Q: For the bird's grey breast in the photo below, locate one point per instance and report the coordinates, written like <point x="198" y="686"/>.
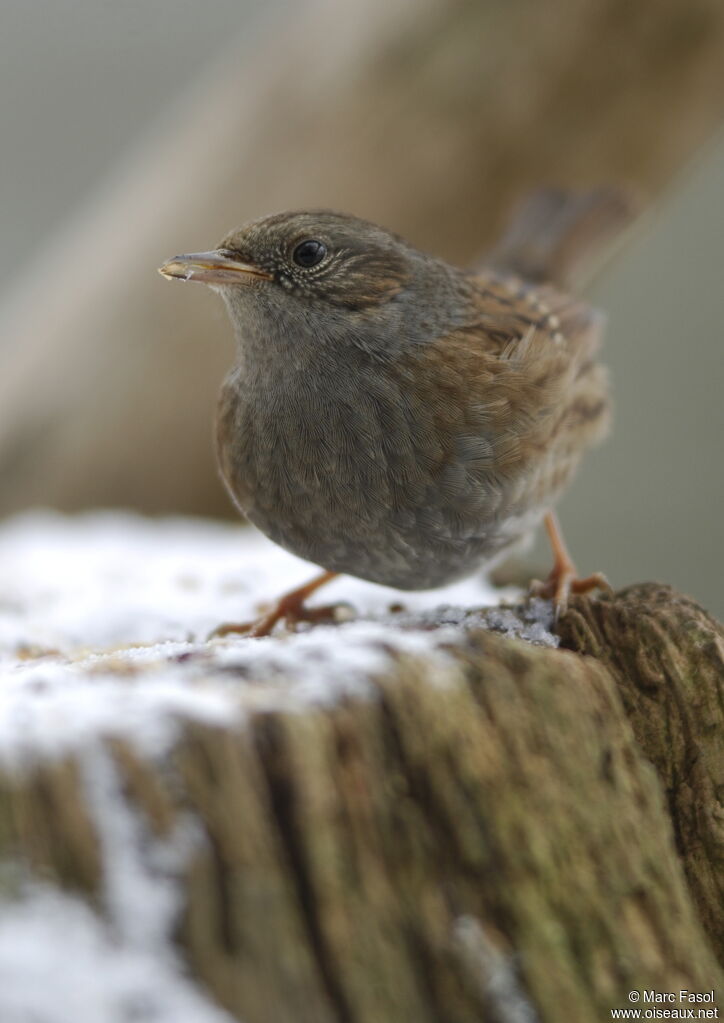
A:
<point x="308" y="453"/>
<point x="351" y="470"/>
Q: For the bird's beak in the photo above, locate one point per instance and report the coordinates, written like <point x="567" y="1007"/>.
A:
<point x="216" y="267"/>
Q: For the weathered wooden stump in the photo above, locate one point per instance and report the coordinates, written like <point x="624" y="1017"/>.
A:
<point x="485" y="830"/>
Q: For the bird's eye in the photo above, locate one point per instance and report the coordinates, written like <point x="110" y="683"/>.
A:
<point x="309" y="253"/>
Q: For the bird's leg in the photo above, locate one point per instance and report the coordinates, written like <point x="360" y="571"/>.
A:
<point x="290" y="607"/>
<point x="563" y="579"/>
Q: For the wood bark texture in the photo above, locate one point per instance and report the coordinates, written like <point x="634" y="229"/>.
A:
<point x="527" y="834"/>
<point x="430" y="116"/>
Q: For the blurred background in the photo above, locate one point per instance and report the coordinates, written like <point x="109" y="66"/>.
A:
<point x="132" y="131"/>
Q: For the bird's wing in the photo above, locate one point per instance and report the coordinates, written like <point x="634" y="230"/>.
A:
<point x="526" y="355"/>
<point x="512" y="397"/>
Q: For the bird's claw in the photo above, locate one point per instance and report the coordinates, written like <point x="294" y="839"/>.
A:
<point x="561" y="583"/>
<point x="292" y="615"/>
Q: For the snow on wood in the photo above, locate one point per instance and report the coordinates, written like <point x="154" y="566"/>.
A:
<point x="104" y="618"/>
<point x="289" y="827"/>
<point x="103" y="625"/>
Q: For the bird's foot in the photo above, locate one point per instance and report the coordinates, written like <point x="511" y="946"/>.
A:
<point x="563" y="579"/>
<point x="289" y="608"/>
<point x="562" y="582"/>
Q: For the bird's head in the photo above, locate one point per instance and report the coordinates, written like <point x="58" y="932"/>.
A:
<point x="327" y="275"/>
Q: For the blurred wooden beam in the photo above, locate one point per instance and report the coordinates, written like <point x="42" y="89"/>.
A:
<point x="431" y="116"/>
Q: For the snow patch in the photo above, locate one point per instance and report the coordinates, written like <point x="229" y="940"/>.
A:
<point x="103" y="625"/>
<point x="60" y="960"/>
<point x="103" y="619"/>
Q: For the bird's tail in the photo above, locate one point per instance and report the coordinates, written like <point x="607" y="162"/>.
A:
<point x="560" y="236"/>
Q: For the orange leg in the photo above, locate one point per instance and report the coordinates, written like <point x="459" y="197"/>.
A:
<point x="563" y="579"/>
<point x="289" y="607"/>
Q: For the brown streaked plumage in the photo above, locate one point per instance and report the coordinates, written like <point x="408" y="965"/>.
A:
<point x="390" y="416"/>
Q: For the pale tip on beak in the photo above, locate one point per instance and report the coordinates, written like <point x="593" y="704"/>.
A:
<point x="215" y="267"/>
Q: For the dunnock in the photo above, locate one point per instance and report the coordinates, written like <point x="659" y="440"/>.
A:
<point x="391" y="416"/>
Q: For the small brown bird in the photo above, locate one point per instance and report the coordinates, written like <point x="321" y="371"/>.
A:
<point x="393" y="417"/>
